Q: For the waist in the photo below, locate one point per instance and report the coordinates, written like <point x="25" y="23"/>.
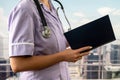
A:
<point x="51" y="73"/>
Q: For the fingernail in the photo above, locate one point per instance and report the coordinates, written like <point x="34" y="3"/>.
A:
<point x="90" y="47"/>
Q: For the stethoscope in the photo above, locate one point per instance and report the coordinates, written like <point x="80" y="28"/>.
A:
<point x="47" y="32"/>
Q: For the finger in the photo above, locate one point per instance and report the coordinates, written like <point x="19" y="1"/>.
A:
<point x="84" y="53"/>
<point x="79" y="58"/>
<point x="84" y="49"/>
<point x="75" y="60"/>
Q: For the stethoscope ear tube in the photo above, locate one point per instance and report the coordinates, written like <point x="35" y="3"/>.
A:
<point x="46" y="32"/>
<point x="61" y="6"/>
<point x="40" y="13"/>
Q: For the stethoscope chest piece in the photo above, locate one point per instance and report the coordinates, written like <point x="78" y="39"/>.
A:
<point x="46" y="33"/>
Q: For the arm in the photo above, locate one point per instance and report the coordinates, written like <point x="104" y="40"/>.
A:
<point x="21" y="63"/>
<point x="40" y="62"/>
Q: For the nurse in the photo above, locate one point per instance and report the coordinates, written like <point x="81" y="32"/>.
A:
<point x="32" y="55"/>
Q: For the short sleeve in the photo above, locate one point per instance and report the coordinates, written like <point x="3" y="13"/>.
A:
<point x="21" y="33"/>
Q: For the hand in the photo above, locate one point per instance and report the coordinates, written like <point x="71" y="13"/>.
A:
<point x="70" y="55"/>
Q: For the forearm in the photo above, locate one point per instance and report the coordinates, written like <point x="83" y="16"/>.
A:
<point x="34" y="62"/>
<point x="41" y="62"/>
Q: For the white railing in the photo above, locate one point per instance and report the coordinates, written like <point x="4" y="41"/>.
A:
<point x="7" y="74"/>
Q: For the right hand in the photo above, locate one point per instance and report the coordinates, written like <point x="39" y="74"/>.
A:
<point x="70" y="55"/>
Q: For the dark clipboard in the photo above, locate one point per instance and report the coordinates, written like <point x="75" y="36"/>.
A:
<point x="95" y="33"/>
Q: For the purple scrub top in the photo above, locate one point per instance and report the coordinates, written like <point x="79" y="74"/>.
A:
<point x="25" y="38"/>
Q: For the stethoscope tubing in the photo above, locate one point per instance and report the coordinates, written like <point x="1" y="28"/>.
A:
<point x="46" y="32"/>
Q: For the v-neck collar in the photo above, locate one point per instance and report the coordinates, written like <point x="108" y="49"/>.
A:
<point x="45" y="7"/>
<point x="52" y="11"/>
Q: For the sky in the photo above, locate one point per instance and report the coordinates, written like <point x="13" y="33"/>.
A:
<point x="78" y="12"/>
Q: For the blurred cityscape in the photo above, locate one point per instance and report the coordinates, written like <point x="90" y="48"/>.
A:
<point x="102" y="63"/>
